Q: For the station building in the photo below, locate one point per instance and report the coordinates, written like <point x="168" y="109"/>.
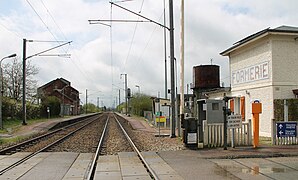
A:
<point x="264" y="67"/>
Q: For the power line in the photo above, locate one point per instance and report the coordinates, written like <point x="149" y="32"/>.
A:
<point x="14" y="33"/>
<point x="48" y="11"/>
<point x="53" y="19"/>
<point x="151" y="36"/>
<point x="41" y="19"/>
<point x="133" y="36"/>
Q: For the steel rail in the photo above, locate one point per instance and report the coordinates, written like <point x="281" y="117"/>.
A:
<point x="23" y="144"/>
<point x="44" y="148"/>
<point x="99" y="146"/>
<point x="151" y="172"/>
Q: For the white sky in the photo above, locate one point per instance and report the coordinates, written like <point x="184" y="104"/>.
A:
<point x="211" y="26"/>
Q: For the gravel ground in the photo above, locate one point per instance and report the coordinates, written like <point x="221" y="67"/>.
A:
<point x="86" y="140"/>
<point x="46" y="141"/>
<point x="146" y="141"/>
<point x="115" y="141"/>
<point x="83" y="141"/>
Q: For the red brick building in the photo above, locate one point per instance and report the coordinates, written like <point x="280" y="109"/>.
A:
<point x="68" y="96"/>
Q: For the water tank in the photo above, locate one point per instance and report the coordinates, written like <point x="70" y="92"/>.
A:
<point x="206" y="77"/>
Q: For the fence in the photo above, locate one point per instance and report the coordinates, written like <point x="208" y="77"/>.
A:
<point x="280" y="137"/>
<point x="214" y="135"/>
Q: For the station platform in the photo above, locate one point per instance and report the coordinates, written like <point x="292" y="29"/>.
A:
<point x="126" y="165"/>
<point x="183" y="164"/>
<point x="64" y="166"/>
<point x="264" y="162"/>
<point x="47" y="165"/>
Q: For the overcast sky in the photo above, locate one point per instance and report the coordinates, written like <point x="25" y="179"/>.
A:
<point x="211" y="26"/>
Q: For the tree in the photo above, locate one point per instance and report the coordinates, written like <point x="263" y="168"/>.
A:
<point x="140" y="103"/>
<point x="91" y="108"/>
<point x="51" y="102"/>
<point x="13" y="78"/>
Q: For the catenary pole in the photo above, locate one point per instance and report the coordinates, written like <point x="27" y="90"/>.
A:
<point x="86" y="100"/>
<point x="171" y="16"/>
<point x="165" y="46"/>
<point x="24" y="83"/>
<point x="24" y="73"/>
<point x="181" y="68"/>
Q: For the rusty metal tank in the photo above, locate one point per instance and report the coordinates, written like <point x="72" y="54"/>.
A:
<point x="206" y="77"/>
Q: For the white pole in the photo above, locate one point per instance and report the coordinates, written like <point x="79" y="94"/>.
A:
<point x="181" y="68"/>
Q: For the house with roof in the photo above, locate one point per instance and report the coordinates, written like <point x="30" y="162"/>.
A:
<point x="68" y="96"/>
<point x="264" y="67"/>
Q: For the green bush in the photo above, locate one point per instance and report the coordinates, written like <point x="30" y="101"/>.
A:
<point x="140" y="103"/>
<point x="13" y="109"/>
<point x="292" y="109"/>
<point x="54" y="105"/>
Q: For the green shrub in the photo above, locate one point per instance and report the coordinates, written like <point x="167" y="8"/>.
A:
<point x="53" y="104"/>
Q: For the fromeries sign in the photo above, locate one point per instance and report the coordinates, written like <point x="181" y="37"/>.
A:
<point x="251" y="74"/>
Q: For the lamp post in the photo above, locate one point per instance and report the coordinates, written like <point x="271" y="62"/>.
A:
<point x="1" y="87"/>
<point x="138" y="88"/>
<point x="126" y="92"/>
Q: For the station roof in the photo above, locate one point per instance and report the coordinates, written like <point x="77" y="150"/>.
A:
<point x="262" y="33"/>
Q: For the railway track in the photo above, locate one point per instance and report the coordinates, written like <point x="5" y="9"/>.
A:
<point x="102" y="147"/>
<point x="48" y="140"/>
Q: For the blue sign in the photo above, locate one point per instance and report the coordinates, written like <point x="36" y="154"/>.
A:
<point x="286" y="129"/>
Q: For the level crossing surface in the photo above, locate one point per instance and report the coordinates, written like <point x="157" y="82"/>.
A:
<point x="185" y="164"/>
<point x="66" y="165"/>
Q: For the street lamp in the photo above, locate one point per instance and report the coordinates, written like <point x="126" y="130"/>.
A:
<point x="1" y="87"/>
<point x="126" y="92"/>
<point x="138" y="88"/>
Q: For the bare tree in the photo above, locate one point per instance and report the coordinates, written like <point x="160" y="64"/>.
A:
<point x="13" y="76"/>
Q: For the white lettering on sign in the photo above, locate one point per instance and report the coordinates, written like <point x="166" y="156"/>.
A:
<point x="250" y="74"/>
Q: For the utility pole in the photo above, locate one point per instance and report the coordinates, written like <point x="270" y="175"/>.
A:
<point x="126" y="93"/>
<point x="24" y="73"/>
<point x="181" y="69"/>
<point x="97" y="102"/>
<point x="165" y="44"/>
<point x="24" y="83"/>
<point x="86" y="100"/>
<point x="172" y="66"/>
<point x="172" y="54"/>
<point x="119" y="99"/>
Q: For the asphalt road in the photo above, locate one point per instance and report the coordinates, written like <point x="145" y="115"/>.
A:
<point x="192" y="165"/>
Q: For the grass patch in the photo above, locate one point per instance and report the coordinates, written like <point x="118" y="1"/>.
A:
<point x="12" y="125"/>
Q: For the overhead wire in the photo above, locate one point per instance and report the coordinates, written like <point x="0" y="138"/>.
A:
<point x="59" y="28"/>
<point x="41" y="19"/>
<point x="53" y="19"/>
<point x="8" y="30"/>
<point x="111" y="50"/>
<point x="151" y="36"/>
<point x="133" y="36"/>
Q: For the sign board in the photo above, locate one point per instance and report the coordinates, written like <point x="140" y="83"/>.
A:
<point x="191" y="138"/>
<point x="158" y="113"/>
<point x="286" y="129"/>
<point x="160" y="119"/>
<point x="234" y="121"/>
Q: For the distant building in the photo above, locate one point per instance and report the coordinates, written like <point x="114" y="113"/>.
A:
<point x="263" y="66"/>
<point x="68" y="96"/>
